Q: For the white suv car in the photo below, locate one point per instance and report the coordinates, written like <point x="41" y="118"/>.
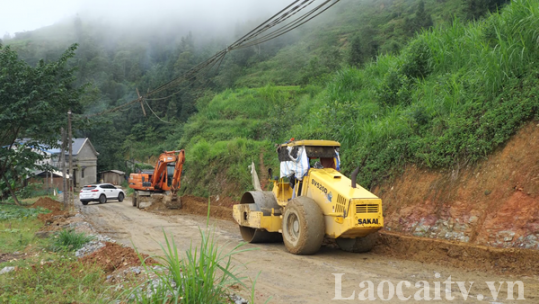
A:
<point x="100" y="193"/>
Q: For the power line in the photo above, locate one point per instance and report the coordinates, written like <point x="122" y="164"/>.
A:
<point x="250" y="39"/>
<point x="168" y="122"/>
<point x="297" y="23"/>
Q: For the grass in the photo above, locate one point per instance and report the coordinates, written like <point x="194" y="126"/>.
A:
<point x="44" y="276"/>
<point x="18" y="226"/>
<point x="16" y="235"/>
<point x="64" y="280"/>
<point x="203" y="274"/>
<point x="234" y="128"/>
<point x="13" y="212"/>
<point x="69" y="240"/>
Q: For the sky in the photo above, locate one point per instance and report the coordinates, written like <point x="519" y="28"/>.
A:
<point x="27" y="15"/>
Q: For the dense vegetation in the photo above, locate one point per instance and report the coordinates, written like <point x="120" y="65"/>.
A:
<point x="437" y="83"/>
<point x="448" y="98"/>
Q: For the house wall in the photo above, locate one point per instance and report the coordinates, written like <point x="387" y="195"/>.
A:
<point x="113" y="178"/>
<point x="57" y="182"/>
<point x="86" y="160"/>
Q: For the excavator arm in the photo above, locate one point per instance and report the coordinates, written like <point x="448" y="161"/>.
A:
<point x="176" y="178"/>
<point x="159" y="175"/>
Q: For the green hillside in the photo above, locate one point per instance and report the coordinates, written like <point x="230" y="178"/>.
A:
<point x="449" y="98"/>
<point x="437" y="83"/>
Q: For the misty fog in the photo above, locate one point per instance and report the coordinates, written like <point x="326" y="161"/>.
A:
<point x="223" y="20"/>
<point x="195" y="15"/>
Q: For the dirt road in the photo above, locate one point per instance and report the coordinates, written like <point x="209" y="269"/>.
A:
<point x="286" y="278"/>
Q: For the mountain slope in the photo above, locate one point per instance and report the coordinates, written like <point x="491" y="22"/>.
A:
<point x="448" y="99"/>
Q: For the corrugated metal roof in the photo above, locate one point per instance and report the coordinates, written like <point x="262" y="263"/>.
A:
<point x="77" y="145"/>
<point x="113" y="171"/>
<point x="54" y="173"/>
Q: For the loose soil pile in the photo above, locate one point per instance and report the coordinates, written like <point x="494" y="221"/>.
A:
<point x="48" y="203"/>
<point x="113" y="257"/>
<point x="457" y="254"/>
<point x="54" y="206"/>
<point x="191" y="205"/>
<point x="57" y="219"/>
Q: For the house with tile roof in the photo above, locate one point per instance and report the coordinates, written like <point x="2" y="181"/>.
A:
<point x="84" y="159"/>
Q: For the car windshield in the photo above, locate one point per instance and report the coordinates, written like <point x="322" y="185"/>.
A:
<point x="88" y="188"/>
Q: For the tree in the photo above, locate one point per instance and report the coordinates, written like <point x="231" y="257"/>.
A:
<point x="34" y="102"/>
<point x="421" y="20"/>
<point x="356" y="54"/>
<point x="475" y="9"/>
<point x="369" y="44"/>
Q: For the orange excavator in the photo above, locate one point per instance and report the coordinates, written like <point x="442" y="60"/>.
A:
<point x="162" y="182"/>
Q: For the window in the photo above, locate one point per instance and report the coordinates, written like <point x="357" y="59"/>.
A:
<point x="82" y="173"/>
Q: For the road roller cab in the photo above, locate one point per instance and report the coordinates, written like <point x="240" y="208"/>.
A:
<point x="311" y="200"/>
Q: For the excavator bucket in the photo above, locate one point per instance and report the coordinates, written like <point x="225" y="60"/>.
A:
<point x="172" y="202"/>
<point x="160" y="199"/>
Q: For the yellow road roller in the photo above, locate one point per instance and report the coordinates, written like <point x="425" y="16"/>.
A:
<point x="311" y="200"/>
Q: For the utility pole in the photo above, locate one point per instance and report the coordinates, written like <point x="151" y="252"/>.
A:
<point x="63" y="162"/>
<point x="71" y="186"/>
<point x="48" y="179"/>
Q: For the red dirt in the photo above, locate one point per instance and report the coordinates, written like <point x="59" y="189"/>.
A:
<point x="494" y="203"/>
<point x="193" y="205"/>
<point x="56" y="214"/>
<point x="457" y="254"/>
<point x="113" y="257"/>
<point x="199" y="205"/>
<point x="48" y="203"/>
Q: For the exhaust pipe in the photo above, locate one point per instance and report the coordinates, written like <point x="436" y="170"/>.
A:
<point x="354" y="176"/>
<point x="256" y="181"/>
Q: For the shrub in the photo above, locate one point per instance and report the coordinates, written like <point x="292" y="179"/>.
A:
<point x="70" y="240"/>
<point x="9" y="212"/>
